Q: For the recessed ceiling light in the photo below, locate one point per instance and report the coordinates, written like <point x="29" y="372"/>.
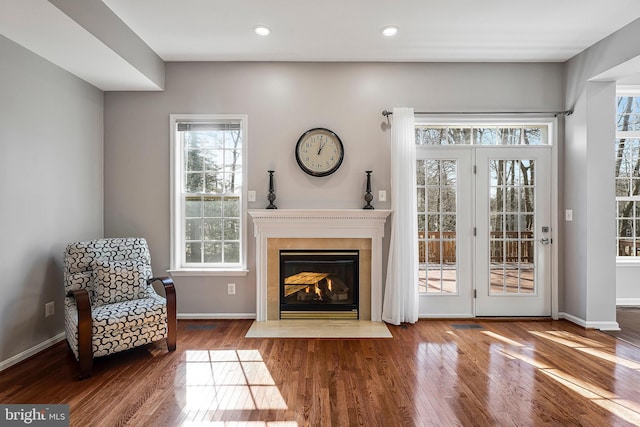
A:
<point x="389" y="31"/>
<point x="262" y="30"/>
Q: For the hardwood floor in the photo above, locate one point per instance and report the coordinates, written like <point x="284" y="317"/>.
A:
<point x="433" y="373"/>
<point x="629" y="320"/>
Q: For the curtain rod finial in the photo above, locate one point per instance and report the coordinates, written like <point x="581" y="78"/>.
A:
<point x="386" y="113"/>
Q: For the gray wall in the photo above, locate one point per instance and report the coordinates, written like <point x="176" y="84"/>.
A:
<point x="282" y="101"/>
<point x="51" y="126"/>
<point x="588" y="168"/>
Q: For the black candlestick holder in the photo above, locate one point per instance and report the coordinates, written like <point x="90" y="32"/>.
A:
<point x="272" y="194"/>
<point x="368" y="197"/>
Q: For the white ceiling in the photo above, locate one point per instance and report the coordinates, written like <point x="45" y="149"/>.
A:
<point x="349" y="30"/>
<point x="317" y="30"/>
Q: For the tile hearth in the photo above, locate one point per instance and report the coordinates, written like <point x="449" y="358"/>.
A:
<point x="318" y="328"/>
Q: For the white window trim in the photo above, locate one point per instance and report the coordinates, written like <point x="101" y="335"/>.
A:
<point x="176" y="236"/>
<point x="634" y="91"/>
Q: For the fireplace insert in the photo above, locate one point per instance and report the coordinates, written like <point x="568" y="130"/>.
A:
<point x="319" y="283"/>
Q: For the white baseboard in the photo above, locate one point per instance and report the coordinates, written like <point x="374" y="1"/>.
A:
<point x="445" y="316"/>
<point x="603" y="326"/>
<point x="203" y="316"/>
<point x="31" y="351"/>
<point x="628" y="301"/>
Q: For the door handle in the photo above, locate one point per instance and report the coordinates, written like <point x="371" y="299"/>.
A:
<point x="546" y="241"/>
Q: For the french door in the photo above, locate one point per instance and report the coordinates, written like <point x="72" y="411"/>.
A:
<point x="484" y="231"/>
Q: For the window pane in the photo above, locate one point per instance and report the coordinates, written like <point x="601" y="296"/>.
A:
<point x="193" y="229"/>
<point x="193" y="207"/>
<point x="433" y="199"/>
<point x="433" y="172"/>
<point x="231" y="207"/>
<point x="459" y="135"/>
<point x="212" y="252"/>
<point x="195" y="161"/>
<point x="232" y="182"/>
<point x="420" y="172"/>
<point x="509" y="136"/>
<point x="448" y="172"/>
<point x="193" y="252"/>
<point x="213" y="182"/>
<point x="625" y="209"/>
<point x="485" y="136"/>
<point x="625" y="228"/>
<point x="213" y="207"/>
<point x="232" y="160"/>
<point x="213" y="229"/>
<point x="193" y="182"/>
<point x="449" y="223"/>
<point x="449" y="198"/>
<point x="231" y="229"/>
<point x="434" y="135"/>
<point x="421" y="199"/>
<point x="231" y="252"/>
<point x="535" y="135"/>
<point x="421" y="223"/>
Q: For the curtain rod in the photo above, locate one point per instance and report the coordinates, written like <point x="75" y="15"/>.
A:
<point x="387" y="113"/>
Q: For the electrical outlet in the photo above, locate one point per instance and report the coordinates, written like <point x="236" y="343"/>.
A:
<point x="49" y="309"/>
<point x="382" y="196"/>
<point x="231" y="288"/>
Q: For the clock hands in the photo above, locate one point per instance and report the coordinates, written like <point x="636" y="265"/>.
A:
<point x="321" y="147"/>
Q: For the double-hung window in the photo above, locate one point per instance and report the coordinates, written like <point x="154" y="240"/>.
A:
<point x="628" y="174"/>
<point x="208" y="165"/>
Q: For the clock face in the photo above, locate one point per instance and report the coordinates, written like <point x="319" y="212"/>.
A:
<point x="319" y="152"/>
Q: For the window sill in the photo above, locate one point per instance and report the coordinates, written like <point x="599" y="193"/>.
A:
<point x="628" y="261"/>
<point x="207" y="272"/>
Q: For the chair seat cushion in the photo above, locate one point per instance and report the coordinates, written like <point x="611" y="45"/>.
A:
<point x="128" y="314"/>
<point x="121" y="325"/>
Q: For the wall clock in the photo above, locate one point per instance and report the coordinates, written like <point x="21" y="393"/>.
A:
<point x="319" y="152"/>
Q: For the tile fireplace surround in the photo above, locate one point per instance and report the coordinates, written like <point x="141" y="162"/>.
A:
<point x="357" y="229"/>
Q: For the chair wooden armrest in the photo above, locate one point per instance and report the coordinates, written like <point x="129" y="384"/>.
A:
<point x="172" y="323"/>
<point x="85" y="331"/>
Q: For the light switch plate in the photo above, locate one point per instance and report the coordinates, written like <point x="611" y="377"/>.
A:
<point x="568" y="215"/>
<point x="382" y="196"/>
<point x="251" y="195"/>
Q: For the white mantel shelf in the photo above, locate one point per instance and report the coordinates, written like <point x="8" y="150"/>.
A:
<point x="319" y="223"/>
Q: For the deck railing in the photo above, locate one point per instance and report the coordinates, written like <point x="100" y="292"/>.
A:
<point x="507" y="246"/>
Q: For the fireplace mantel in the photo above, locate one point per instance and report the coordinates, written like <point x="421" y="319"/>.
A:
<point x="319" y="224"/>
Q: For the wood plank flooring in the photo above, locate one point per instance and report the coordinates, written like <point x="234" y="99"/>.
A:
<point x="629" y="320"/>
<point x="433" y="373"/>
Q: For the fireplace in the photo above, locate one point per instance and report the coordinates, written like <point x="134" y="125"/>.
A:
<point x="319" y="284"/>
<point x="301" y="229"/>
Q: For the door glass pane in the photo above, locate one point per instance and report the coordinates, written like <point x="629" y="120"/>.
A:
<point x="511" y="224"/>
<point x="437" y="229"/>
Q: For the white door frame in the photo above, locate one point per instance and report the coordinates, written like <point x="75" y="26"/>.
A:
<point x="552" y="122"/>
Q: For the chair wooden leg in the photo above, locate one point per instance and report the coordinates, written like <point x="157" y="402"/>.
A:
<point x="86" y="366"/>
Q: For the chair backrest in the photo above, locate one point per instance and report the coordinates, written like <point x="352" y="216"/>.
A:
<point x="80" y="258"/>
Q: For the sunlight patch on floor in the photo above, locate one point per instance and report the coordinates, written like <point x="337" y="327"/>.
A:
<point x="228" y="380"/>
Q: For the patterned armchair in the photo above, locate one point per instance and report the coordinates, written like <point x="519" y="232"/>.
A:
<point x="110" y="302"/>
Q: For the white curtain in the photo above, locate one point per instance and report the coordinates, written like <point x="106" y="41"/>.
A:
<point x="401" y="290"/>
